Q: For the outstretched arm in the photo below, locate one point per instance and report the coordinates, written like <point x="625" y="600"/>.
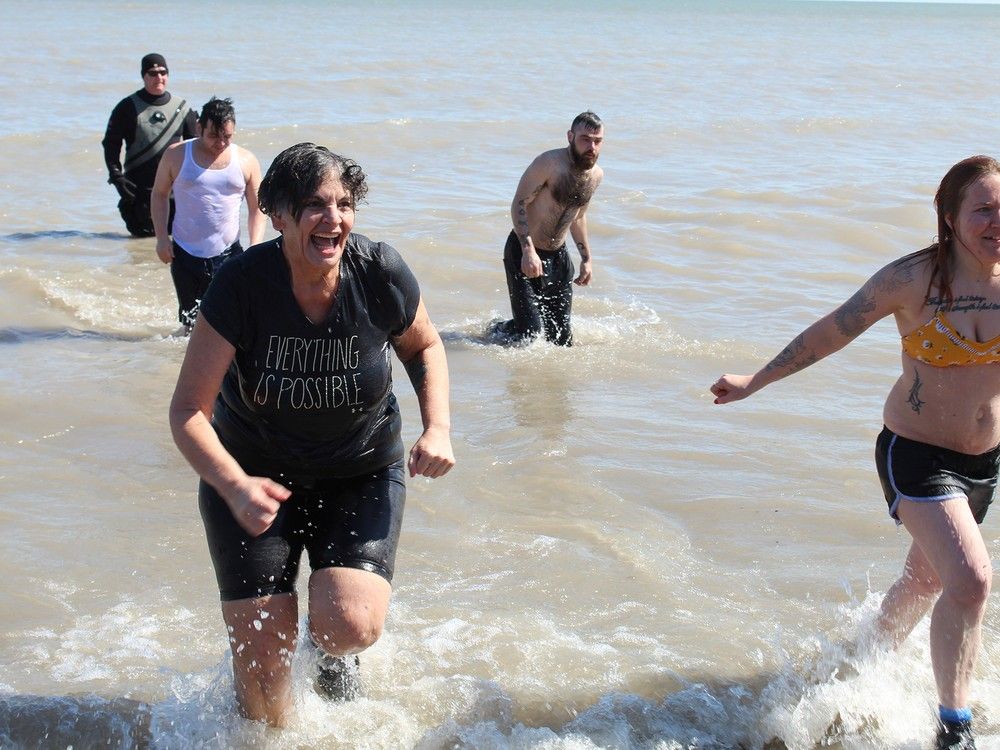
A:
<point x="881" y="295"/>
<point x="253" y="501"/>
<point x="421" y="351"/>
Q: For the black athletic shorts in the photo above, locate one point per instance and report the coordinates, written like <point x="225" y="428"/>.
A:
<point x="923" y="473"/>
<point x="349" y="523"/>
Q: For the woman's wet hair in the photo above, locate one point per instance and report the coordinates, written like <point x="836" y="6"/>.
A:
<point x="298" y="172"/>
<point x="947" y="202"/>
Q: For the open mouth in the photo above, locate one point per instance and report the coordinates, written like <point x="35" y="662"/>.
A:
<point x="325" y="241"/>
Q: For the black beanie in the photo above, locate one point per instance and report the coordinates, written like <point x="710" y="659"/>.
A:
<point x="152" y="60"/>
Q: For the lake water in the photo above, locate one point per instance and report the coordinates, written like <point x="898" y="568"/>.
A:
<point x="614" y="562"/>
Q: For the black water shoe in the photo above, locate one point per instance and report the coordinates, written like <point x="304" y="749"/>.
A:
<point x="955" y="735"/>
<point x="339" y="677"/>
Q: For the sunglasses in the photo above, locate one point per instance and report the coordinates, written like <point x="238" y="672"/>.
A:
<point x="152" y="73"/>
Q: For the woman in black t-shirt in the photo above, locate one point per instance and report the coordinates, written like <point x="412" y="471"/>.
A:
<point x="284" y="407"/>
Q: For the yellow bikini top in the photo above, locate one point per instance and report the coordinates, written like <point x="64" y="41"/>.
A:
<point x="937" y="343"/>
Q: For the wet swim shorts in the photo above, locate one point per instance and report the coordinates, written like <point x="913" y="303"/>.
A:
<point x="925" y="473"/>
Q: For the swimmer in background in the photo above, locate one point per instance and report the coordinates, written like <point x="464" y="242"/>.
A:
<point x="938" y="454"/>
<point x="551" y="199"/>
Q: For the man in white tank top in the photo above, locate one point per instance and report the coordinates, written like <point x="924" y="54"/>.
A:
<point x="209" y="176"/>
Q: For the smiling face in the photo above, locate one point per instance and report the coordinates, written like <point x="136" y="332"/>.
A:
<point x="314" y="242"/>
<point x="976" y="225"/>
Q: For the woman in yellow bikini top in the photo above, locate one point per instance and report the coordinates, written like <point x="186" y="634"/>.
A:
<point x="937" y="343"/>
<point x="938" y="456"/>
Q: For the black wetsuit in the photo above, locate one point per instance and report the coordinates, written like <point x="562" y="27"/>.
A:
<point x="542" y="304"/>
<point x="310" y="405"/>
<point x="122" y="128"/>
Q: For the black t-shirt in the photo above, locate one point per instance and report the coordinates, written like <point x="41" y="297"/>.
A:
<point x="303" y="399"/>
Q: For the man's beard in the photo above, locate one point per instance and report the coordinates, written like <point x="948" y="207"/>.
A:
<point x="581" y="161"/>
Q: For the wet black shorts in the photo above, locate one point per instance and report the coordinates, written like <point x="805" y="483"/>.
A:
<point x="349" y="523"/>
<point x="925" y="473"/>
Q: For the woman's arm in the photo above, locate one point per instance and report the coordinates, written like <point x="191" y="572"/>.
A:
<point x="421" y="351"/>
<point x="253" y="501"/>
<point x="883" y="294"/>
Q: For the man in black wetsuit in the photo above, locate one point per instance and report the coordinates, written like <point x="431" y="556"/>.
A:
<point x="146" y="122"/>
<point x="551" y="201"/>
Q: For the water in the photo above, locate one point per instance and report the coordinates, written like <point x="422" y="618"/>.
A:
<point x="614" y="562"/>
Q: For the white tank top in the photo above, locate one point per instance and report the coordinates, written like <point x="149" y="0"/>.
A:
<point x="208" y="201"/>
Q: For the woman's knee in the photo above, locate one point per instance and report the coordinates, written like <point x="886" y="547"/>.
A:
<point x="971" y="586"/>
<point x="340" y="627"/>
<point x="922" y="586"/>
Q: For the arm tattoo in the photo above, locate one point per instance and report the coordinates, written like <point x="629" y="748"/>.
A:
<point x="900" y="276"/>
<point x="522" y="219"/>
<point x="795" y="357"/>
<point x="521" y="230"/>
<point x="914" y="399"/>
<point x="850" y="316"/>
<point x="417" y="370"/>
<point x="584" y="252"/>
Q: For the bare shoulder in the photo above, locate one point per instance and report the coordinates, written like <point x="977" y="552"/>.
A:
<point x="546" y="163"/>
<point x="248" y="160"/>
<point x="895" y="289"/>
<point x="905" y="277"/>
<point x="245" y="154"/>
<point x="539" y="173"/>
<point x="171" y="161"/>
<point x="175" y="150"/>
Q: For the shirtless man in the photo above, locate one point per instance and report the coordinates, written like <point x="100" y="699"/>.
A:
<point x="209" y="176"/>
<point x="551" y="199"/>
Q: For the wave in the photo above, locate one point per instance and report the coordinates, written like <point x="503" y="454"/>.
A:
<point x="115" y="302"/>
<point x="61" y="234"/>
<point x="822" y="693"/>
<point x="15" y="335"/>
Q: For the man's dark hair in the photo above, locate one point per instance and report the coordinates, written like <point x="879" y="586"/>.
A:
<point x="298" y="172"/>
<point x="218" y="112"/>
<point x="589" y="120"/>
